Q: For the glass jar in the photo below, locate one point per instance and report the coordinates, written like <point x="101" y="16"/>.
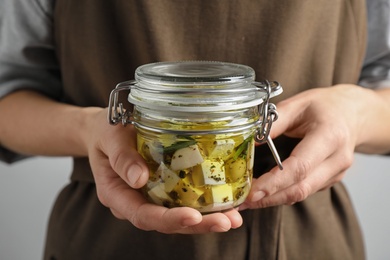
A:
<point x="197" y="123"/>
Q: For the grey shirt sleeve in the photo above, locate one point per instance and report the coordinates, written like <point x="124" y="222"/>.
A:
<point x="27" y="55"/>
<point x="376" y="69"/>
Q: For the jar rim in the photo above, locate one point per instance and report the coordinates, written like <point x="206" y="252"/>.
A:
<point x="194" y="72"/>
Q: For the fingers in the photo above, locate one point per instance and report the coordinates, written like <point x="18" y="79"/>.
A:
<point x="182" y="220"/>
<point x="292" y="192"/>
<point x="314" y="165"/>
<point x="129" y="204"/>
<point x="185" y="220"/>
<point x="216" y="222"/>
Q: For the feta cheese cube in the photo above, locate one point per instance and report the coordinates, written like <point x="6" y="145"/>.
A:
<point x="168" y="177"/>
<point x="158" y="194"/>
<point x="187" y="193"/>
<point x="220" y="148"/>
<point x="209" y="173"/>
<point x="222" y="193"/>
<point x="152" y="151"/>
<point x="186" y="157"/>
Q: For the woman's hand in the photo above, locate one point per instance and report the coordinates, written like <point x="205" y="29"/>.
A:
<point x="119" y="171"/>
<point x="333" y="123"/>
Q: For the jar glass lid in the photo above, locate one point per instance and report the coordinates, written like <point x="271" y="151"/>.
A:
<point x="194" y="86"/>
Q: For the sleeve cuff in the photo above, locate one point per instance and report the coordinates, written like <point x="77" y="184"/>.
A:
<point x="10" y="156"/>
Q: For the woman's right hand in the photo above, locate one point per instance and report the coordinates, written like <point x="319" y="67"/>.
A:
<point x="119" y="170"/>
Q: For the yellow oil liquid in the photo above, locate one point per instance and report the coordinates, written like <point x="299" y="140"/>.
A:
<point x="206" y="172"/>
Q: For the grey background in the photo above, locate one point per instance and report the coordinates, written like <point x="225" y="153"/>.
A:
<point x="28" y="190"/>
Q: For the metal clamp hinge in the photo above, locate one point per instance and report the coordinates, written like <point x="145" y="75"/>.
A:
<point x="269" y="115"/>
<point x="116" y="112"/>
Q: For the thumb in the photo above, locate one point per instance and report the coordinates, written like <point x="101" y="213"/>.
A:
<point x="125" y="160"/>
<point x="290" y="112"/>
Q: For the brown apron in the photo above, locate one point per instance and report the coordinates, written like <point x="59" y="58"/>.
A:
<point x="300" y="43"/>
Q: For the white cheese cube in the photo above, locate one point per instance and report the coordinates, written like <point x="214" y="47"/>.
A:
<point x="152" y="151"/>
<point x="186" y="157"/>
<point x="156" y="151"/>
<point x="158" y="194"/>
<point x="209" y="173"/>
<point x="220" y="148"/>
<point x="168" y="178"/>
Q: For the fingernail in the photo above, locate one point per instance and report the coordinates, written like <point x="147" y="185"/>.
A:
<point x="258" y="196"/>
<point x="134" y="174"/>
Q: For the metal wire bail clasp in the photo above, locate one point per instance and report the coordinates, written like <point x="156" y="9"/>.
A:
<point x="116" y="112"/>
<point x="269" y="115"/>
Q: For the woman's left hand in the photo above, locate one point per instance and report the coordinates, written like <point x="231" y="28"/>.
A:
<point x="333" y="123"/>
